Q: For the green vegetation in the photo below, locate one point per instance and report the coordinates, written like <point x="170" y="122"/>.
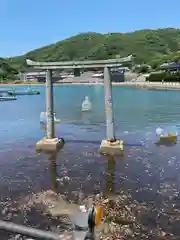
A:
<point x="164" y="77"/>
<point x="6" y="71"/>
<point x="152" y="47"/>
<point x="143" y="68"/>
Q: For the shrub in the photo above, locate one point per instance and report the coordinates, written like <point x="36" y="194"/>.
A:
<point x="164" y="77"/>
<point x="156" y="77"/>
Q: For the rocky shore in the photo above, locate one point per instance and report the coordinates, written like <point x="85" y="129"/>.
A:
<point x="123" y="217"/>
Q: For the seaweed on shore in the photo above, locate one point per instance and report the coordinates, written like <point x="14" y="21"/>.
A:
<point x="124" y="218"/>
<point x="31" y="212"/>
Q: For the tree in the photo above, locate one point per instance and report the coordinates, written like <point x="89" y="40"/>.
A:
<point x="149" y="46"/>
<point x="118" y="56"/>
<point x="144" y="68"/>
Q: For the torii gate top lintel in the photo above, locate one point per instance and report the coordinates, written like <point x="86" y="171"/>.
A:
<point x="80" y="64"/>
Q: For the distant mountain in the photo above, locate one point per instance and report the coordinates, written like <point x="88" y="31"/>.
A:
<point x="149" y="46"/>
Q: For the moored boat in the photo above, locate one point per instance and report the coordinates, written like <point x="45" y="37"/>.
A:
<point x="24" y="92"/>
<point x="4" y="96"/>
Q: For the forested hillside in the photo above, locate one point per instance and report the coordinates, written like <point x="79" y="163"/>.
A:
<point x="149" y="46"/>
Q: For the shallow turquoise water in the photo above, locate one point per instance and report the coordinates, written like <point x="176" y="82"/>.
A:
<point x="135" y="110"/>
<point x="137" y="114"/>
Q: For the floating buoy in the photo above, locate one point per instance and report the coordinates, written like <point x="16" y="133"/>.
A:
<point x="86" y="105"/>
<point x="43" y="118"/>
<point x="56" y="120"/>
<point x="99" y="215"/>
<point x="166" y="136"/>
<point x="159" y="131"/>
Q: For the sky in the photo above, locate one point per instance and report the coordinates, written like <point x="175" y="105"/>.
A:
<point x="29" y="24"/>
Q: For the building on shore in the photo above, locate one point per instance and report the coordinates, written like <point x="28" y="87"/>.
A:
<point x="170" y="66"/>
<point x="32" y="76"/>
<point x="37" y="76"/>
<point x="117" y="74"/>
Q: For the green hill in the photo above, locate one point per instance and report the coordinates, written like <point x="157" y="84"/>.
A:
<point x="149" y="46"/>
<point x="6" y="70"/>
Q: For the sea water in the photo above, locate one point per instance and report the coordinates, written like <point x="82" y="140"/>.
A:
<point x="137" y="113"/>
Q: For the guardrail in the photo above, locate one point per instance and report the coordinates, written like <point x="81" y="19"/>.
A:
<point x="30" y="232"/>
<point x="83" y="233"/>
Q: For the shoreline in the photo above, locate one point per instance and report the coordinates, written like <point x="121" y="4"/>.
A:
<point x="141" y="85"/>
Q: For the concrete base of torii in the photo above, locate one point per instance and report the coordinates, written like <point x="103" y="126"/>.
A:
<point x="112" y="148"/>
<point x="49" y="145"/>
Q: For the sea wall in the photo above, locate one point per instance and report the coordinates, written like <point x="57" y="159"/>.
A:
<point x="153" y="85"/>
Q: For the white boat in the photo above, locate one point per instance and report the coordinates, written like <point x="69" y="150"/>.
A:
<point x="27" y="91"/>
<point x="4" y="96"/>
<point x="43" y="118"/>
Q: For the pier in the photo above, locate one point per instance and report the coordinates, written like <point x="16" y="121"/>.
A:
<point x="110" y="145"/>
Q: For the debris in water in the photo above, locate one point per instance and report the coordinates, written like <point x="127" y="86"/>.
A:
<point x="83" y="208"/>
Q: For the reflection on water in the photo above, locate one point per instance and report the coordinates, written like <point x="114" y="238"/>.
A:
<point x="86" y="117"/>
<point x="43" y="127"/>
<point x="109" y="176"/>
<point x="53" y="171"/>
<point x="111" y="167"/>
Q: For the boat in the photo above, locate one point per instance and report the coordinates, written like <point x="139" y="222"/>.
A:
<point x="27" y="91"/>
<point x="43" y="116"/>
<point x="4" y="96"/>
<point x="4" y="90"/>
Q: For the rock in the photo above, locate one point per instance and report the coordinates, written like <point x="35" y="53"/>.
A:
<point x="18" y="237"/>
<point x="4" y="211"/>
<point x="105" y="228"/>
<point x="80" y="220"/>
<point x="58" y="210"/>
<point x="83" y="208"/>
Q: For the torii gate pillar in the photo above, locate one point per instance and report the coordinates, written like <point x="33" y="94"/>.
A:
<point x="50" y="143"/>
<point x="110" y="146"/>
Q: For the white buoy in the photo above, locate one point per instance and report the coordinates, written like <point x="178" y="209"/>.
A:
<point x="86" y="105"/>
<point x="43" y="118"/>
<point x="56" y="120"/>
<point x="159" y="131"/>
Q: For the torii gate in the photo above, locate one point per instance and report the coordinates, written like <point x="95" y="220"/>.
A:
<point x="109" y="146"/>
